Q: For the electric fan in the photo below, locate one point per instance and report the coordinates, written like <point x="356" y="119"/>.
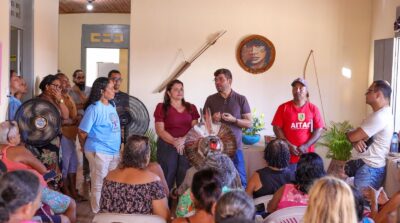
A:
<point x="133" y="116"/>
<point x="39" y="122"/>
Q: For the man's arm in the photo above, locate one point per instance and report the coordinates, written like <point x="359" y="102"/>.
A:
<point x="246" y="121"/>
<point x="356" y="135"/>
<point x="357" y="138"/>
<point x="314" y="138"/>
<point x="279" y="132"/>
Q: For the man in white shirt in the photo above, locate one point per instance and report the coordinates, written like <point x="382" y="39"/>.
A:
<point x="371" y="141"/>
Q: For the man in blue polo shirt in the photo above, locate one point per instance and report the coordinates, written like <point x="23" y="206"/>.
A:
<point x="232" y="109"/>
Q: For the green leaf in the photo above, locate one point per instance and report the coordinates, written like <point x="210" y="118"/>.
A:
<point x="257" y="126"/>
<point x="336" y="140"/>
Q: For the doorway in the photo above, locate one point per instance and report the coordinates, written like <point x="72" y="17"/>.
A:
<point x="99" y="61"/>
<point x="105" y="48"/>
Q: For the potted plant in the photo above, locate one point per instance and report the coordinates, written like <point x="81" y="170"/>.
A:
<point x="251" y="135"/>
<point x="339" y="147"/>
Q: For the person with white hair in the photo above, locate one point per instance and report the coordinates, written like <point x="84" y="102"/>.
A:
<point x="17" y="157"/>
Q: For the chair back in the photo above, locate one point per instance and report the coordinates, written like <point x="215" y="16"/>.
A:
<point x="287" y="215"/>
<point x="126" y="218"/>
<point x="263" y="200"/>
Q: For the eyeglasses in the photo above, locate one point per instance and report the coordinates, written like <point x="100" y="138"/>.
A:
<point x="369" y="91"/>
<point x="56" y="86"/>
<point x="117" y="79"/>
<point x="218" y="79"/>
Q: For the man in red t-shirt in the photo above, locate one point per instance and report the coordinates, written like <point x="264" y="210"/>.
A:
<point x="298" y="122"/>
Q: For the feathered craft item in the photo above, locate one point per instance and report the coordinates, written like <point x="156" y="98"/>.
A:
<point x="207" y="138"/>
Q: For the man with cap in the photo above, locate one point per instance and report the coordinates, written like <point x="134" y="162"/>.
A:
<point x="298" y="122"/>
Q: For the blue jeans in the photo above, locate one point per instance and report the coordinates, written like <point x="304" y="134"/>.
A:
<point x="369" y="176"/>
<point x="69" y="157"/>
<point x="238" y="161"/>
<point x="293" y="167"/>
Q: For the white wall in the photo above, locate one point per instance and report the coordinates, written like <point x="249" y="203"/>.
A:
<point x="384" y="15"/>
<point x="5" y="55"/>
<point x="337" y="30"/>
<point x="45" y="38"/>
<point x="70" y="35"/>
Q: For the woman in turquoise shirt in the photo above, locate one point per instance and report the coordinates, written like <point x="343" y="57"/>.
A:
<point x="100" y="136"/>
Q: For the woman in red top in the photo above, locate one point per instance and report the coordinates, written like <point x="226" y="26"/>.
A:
<point x="173" y="119"/>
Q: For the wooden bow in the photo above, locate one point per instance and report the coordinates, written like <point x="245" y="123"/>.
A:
<point x="316" y="75"/>
<point x="186" y="64"/>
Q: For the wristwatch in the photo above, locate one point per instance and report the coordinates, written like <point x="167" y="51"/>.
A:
<point x="61" y="101"/>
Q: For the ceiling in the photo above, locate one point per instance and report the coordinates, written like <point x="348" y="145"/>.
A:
<point x="99" y="6"/>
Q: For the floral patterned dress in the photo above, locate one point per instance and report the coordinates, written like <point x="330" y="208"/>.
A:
<point x="125" y="198"/>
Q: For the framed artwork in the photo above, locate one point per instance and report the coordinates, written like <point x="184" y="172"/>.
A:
<point x="255" y="54"/>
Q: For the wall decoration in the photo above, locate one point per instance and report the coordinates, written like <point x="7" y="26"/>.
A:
<point x="186" y="64"/>
<point x="255" y="54"/>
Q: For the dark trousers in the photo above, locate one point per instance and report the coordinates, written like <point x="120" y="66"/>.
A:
<point x="85" y="166"/>
<point x="173" y="165"/>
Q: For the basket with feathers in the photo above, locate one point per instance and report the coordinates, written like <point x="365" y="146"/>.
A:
<point x="208" y="137"/>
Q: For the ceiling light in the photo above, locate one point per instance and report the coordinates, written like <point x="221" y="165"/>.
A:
<point x="89" y="6"/>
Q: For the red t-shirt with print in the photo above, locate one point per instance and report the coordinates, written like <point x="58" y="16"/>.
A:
<point x="298" y="123"/>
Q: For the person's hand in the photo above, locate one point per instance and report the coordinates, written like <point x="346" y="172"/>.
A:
<point x="81" y="145"/>
<point x="179" y="144"/>
<point x="360" y="146"/>
<point x="370" y="194"/>
<point x="302" y="149"/>
<point x="375" y="196"/>
<point x="56" y="94"/>
<point x="382" y="196"/>
<point x="216" y="117"/>
<point x="228" y="117"/>
<point x="293" y="150"/>
<point x="67" y="121"/>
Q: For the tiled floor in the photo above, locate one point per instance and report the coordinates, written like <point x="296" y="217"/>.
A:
<point x="84" y="212"/>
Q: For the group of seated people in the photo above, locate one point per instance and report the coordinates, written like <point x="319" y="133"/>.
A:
<point x="326" y="197"/>
<point x="137" y="186"/>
